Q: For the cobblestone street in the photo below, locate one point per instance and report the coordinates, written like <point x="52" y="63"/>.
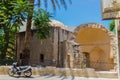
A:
<point x="50" y="77"/>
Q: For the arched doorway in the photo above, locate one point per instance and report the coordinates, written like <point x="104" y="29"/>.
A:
<point x="86" y="59"/>
<point x="68" y="61"/>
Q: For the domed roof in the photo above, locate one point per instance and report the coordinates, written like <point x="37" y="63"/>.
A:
<point x="55" y="23"/>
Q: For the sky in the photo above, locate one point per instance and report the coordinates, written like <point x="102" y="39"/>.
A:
<point x="79" y="12"/>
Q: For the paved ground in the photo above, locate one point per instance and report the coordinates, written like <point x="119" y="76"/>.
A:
<point x="50" y="77"/>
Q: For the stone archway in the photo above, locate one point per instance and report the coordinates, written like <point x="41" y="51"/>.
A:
<point x="96" y="40"/>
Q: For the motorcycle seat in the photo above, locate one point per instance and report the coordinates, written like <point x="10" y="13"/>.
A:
<point x="23" y="67"/>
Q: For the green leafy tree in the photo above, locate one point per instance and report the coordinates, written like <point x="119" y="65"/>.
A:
<point x="55" y="3"/>
<point x="12" y="13"/>
<point x="112" y="26"/>
<point x="41" y="20"/>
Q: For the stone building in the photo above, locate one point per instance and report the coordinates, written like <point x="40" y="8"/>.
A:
<point x="89" y="45"/>
<point x="50" y="52"/>
<point x="98" y="46"/>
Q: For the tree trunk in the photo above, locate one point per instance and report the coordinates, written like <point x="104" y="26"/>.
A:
<point x="28" y="32"/>
<point x="28" y="26"/>
<point x="26" y="50"/>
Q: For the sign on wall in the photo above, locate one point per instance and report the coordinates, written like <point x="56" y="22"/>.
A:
<point x="110" y="9"/>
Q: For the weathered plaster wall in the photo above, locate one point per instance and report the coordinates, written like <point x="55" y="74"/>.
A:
<point x="49" y="47"/>
<point x="95" y="40"/>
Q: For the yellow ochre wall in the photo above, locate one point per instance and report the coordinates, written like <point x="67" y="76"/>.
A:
<point x="95" y="42"/>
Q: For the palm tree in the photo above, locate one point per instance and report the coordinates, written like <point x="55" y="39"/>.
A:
<point x="41" y="20"/>
<point x="55" y="3"/>
<point x="11" y="17"/>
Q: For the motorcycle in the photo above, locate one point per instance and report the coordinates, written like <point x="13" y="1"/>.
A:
<point x="25" y="70"/>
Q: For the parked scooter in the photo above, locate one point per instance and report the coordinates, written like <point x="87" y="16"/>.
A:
<point x="25" y="70"/>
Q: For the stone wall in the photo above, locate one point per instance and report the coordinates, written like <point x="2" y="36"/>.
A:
<point x="48" y="48"/>
<point x="97" y="44"/>
<point x="71" y="54"/>
<point x="88" y="72"/>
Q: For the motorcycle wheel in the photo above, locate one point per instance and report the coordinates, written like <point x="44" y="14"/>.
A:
<point x="10" y="72"/>
<point x="27" y="73"/>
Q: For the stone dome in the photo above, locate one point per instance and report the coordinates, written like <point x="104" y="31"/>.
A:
<point x="55" y="23"/>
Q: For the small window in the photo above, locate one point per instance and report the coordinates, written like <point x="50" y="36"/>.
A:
<point x="21" y="56"/>
<point x="41" y="58"/>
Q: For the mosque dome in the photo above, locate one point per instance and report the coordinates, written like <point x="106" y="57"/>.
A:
<point x="55" y="23"/>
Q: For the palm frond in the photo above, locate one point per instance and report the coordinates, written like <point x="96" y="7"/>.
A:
<point x="63" y="3"/>
<point x="70" y="1"/>
<point x="39" y="3"/>
<point x="46" y="3"/>
<point x="57" y="3"/>
<point x="53" y="4"/>
<point x="41" y="22"/>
